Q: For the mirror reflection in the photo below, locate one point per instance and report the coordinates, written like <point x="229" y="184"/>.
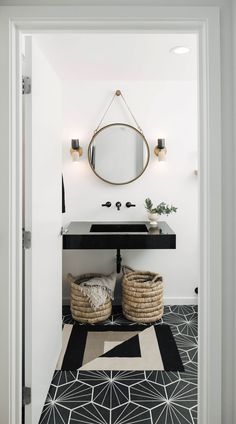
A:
<point x="118" y="153"/>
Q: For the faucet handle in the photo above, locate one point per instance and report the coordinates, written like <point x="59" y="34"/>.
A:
<point x="130" y="205"/>
<point x="118" y="205"/>
<point x="107" y="204"/>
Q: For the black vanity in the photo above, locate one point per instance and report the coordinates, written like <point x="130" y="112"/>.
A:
<point x="118" y="235"/>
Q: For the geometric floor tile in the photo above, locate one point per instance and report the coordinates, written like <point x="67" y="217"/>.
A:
<point x="110" y="394"/>
<point x="190" y="372"/>
<point x="54" y="414"/>
<point x="128" y="378"/>
<point x="180" y="398"/>
<point x="93" y="378"/>
<point x="186" y="343"/>
<point x="171" y="317"/>
<point x="182" y="393"/>
<point x="193" y="412"/>
<point x="184" y="356"/>
<point x="171" y="414"/>
<point x="189" y="327"/>
<point x="162" y="377"/>
<point x="131" y="397"/>
<point x="147" y="394"/>
<point x="183" y="309"/>
<point x="130" y="414"/>
<point x="193" y="354"/>
<point x="73" y="394"/>
<point x="62" y="377"/>
<point x="90" y="414"/>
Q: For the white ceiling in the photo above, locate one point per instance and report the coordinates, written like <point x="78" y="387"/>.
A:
<point x="120" y="56"/>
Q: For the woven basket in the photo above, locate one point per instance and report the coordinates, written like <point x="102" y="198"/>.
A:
<point x="142" y="295"/>
<point x="81" y="309"/>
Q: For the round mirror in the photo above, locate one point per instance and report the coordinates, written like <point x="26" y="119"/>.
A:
<point x="118" y="153"/>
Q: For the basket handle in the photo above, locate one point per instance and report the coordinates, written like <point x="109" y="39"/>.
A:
<point x="156" y="278"/>
<point x="70" y="278"/>
<point x="127" y="269"/>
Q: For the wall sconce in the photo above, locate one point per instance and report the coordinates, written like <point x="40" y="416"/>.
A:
<point x="76" y="151"/>
<point x="160" y="150"/>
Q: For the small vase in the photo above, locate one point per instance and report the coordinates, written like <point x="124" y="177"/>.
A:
<point x="153" y="218"/>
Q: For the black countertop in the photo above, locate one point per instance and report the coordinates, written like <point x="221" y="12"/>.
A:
<point x="78" y="236"/>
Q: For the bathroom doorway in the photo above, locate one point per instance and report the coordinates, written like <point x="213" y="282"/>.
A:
<point x="70" y="90"/>
<point x="203" y="168"/>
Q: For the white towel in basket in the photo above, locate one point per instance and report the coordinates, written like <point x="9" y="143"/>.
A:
<point x="97" y="288"/>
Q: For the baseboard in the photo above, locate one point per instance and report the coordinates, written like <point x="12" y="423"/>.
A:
<point x="167" y="300"/>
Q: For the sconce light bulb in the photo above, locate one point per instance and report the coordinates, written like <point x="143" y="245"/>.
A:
<point x="160" y="149"/>
<point x="162" y="155"/>
<point x="76" y="151"/>
<point x="75" y="155"/>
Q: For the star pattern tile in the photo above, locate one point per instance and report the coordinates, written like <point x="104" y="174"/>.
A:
<point x="74" y="394"/>
<point x="90" y="414"/>
<point x="130" y="414"/>
<point x="130" y="397"/>
<point x="111" y="394"/>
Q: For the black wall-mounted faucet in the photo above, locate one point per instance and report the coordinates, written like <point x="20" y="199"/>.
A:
<point x="107" y="204"/>
<point x="130" y="205"/>
<point x="118" y="205"/>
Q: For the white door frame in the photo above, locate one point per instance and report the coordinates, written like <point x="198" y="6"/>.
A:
<point x="205" y="22"/>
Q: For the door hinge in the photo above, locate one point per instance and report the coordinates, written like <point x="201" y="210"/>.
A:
<point x="26" y="237"/>
<point x="26" y="85"/>
<point x="26" y="395"/>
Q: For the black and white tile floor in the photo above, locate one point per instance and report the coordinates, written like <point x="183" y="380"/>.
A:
<point x="131" y="397"/>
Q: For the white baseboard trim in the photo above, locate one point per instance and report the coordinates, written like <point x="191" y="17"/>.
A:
<point x="167" y="300"/>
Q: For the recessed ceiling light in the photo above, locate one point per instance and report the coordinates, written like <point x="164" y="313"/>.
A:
<point x="180" y="50"/>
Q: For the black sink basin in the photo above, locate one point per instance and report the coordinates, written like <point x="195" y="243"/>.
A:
<point x="118" y="228"/>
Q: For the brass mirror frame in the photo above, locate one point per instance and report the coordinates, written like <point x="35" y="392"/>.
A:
<point x="112" y="125"/>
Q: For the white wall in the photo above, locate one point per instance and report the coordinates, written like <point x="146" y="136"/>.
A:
<point x="156" y="106"/>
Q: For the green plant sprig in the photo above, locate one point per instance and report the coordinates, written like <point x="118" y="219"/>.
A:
<point x="161" y="209"/>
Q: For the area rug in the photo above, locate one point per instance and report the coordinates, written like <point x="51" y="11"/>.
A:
<point x="99" y="347"/>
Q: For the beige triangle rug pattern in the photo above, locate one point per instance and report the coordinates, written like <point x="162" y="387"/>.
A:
<point x="105" y="347"/>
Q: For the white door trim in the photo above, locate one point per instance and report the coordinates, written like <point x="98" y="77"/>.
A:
<point x="205" y="22"/>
